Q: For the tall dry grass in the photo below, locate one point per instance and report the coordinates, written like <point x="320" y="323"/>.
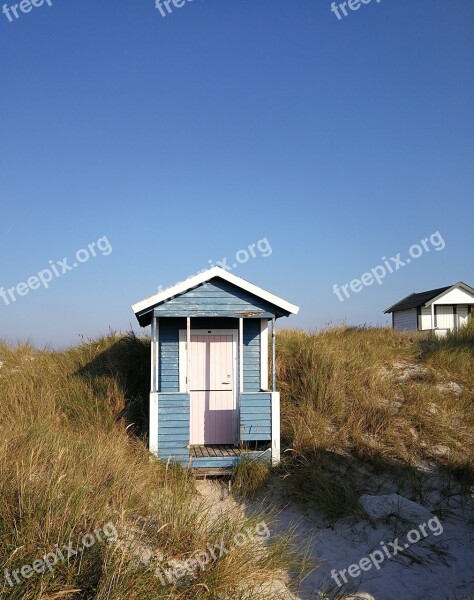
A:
<point x="345" y="403"/>
<point x="71" y="459"/>
<point x="69" y="466"/>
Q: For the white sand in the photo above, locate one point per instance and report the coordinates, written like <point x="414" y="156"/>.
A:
<point x="445" y="570"/>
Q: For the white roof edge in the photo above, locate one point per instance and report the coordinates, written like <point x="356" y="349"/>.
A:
<point x="200" y="278"/>
<point x="467" y="288"/>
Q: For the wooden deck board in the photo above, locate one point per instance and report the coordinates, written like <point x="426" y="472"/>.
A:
<point x="213" y="451"/>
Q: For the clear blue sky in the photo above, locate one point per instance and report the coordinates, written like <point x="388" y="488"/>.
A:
<point x="185" y="138"/>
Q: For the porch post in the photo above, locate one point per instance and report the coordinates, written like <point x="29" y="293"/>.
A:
<point x="264" y="354"/>
<point x="275" y="427"/>
<point x="153" y="355"/>
<point x="273" y="355"/>
<point x="275" y="403"/>
<point x="188" y="355"/>
<point x="154" y="388"/>
<point x="433" y="324"/>
<point x="241" y="355"/>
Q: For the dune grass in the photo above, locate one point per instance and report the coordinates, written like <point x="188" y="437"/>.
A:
<point x="70" y="464"/>
<point x="249" y="476"/>
<point x="72" y="458"/>
<point x="353" y="397"/>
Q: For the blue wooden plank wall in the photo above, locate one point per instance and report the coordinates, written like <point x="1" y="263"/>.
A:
<point x="173" y="427"/>
<point x="168" y="379"/>
<point x="215" y="298"/>
<point x="169" y="350"/>
<point x="251" y="362"/>
<point x="256" y="417"/>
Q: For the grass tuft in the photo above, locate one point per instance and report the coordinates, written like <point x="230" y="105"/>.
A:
<point x="376" y="398"/>
<point x="249" y="476"/>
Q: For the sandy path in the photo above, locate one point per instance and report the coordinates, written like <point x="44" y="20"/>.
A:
<point x="440" y="566"/>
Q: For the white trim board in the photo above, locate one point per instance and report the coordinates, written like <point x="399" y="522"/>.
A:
<point x="264" y="354"/>
<point x="192" y="282"/>
<point x="460" y="285"/>
<point x="275" y="427"/>
<point x="455" y="297"/>
<point x="153" y="424"/>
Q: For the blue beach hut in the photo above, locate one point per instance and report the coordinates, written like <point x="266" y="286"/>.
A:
<point x="212" y="400"/>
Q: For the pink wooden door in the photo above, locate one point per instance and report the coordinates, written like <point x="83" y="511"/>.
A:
<point x="211" y="385"/>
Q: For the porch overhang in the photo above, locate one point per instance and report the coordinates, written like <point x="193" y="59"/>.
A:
<point x="182" y="300"/>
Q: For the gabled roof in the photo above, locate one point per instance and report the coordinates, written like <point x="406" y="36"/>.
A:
<point x="426" y="298"/>
<point x="149" y="303"/>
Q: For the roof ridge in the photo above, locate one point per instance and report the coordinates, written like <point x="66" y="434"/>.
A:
<point x="207" y="275"/>
<point x="409" y="302"/>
